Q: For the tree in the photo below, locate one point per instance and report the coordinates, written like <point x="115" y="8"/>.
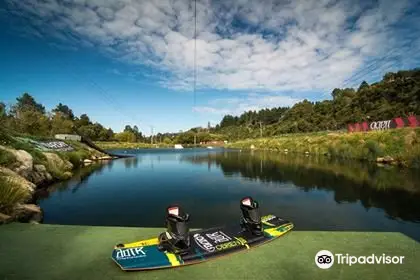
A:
<point x="336" y="93"/>
<point x="61" y="124"/>
<point x="126" y="136"/>
<point x="128" y="128"/>
<point x="87" y="131"/>
<point x="167" y="140"/>
<point x="2" y="109"/>
<point x="64" y="110"/>
<point x="33" y="123"/>
<point x="363" y="85"/>
<point x="109" y="134"/>
<point x="83" y="121"/>
<point x="27" y="103"/>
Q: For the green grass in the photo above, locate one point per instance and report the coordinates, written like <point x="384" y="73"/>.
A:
<point x="57" y="173"/>
<point x="37" y="155"/>
<point x="11" y="194"/>
<point x="76" y="158"/>
<point x="6" y="158"/>
<point x="82" y="252"/>
<point x="10" y="139"/>
<point x="80" y="153"/>
<point x="127" y="145"/>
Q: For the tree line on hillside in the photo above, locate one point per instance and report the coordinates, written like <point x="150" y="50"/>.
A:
<point x="28" y="117"/>
<point x="398" y="94"/>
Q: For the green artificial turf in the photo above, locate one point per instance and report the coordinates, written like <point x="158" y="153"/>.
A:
<point x="81" y="252"/>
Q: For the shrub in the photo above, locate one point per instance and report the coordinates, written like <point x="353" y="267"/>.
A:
<point x="38" y="156"/>
<point x="6" y="158"/>
<point x="75" y="157"/>
<point x="372" y="150"/>
<point x="11" y="194"/>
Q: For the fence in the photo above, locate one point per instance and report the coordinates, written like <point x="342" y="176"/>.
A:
<point x="411" y="121"/>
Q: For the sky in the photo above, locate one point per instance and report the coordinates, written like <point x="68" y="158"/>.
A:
<point x="131" y="62"/>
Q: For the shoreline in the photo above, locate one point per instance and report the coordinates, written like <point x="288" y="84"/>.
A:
<point x="140" y="145"/>
<point x="26" y="170"/>
<point x="399" y="147"/>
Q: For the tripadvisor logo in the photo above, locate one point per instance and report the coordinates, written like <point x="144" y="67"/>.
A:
<point x="324" y="259"/>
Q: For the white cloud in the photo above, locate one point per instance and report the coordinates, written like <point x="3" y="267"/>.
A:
<point x="241" y="45"/>
<point x="249" y="102"/>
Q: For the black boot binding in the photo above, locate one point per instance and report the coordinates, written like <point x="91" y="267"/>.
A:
<point x="176" y="239"/>
<point x="251" y="220"/>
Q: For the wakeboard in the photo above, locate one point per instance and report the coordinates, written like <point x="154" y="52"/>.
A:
<point x="205" y="245"/>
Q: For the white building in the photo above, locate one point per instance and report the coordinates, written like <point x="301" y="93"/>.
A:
<point x="72" y="137"/>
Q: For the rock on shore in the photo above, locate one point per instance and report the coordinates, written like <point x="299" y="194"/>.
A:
<point x="17" y="179"/>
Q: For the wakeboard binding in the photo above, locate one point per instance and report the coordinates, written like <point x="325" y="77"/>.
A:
<point x="251" y="217"/>
<point x="176" y="237"/>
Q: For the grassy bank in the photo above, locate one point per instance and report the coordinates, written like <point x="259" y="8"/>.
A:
<point x="403" y="145"/>
<point x="138" y="145"/>
<point x="128" y="145"/>
<point x="82" y="252"/>
<point x="24" y="166"/>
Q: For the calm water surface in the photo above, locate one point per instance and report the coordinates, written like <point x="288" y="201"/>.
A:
<point x="313" y="192"/>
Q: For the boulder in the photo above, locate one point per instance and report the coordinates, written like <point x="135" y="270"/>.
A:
<point x="40" y="175"/>
<point x="40" y="168"/>
<point x="386" y="159"/>
<point x="28" y="213"/>
<point x="30" y="208"/>
<point x="4" y="219"/>
<point x="252" y="146"/>
<point x="286" y="150"/>
<point x="105" y="158"/>
<point x="24" y="159"/>
<point x="87" y="161"/>
<point x="67" y="175"/>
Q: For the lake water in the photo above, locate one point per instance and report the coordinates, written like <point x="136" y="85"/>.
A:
<point x="315" y="193"/>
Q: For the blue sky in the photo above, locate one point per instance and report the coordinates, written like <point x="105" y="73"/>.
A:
<point x="131" y="62"/>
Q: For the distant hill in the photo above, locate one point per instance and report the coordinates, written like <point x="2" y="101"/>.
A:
<point x="397" y="94"/>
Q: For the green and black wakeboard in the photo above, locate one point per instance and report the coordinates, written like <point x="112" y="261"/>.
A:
<point x="205" y="245"/>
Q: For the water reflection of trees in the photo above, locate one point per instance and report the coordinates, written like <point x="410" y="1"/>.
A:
<point x="131" y="162"/>
<point x="395" y="190"/>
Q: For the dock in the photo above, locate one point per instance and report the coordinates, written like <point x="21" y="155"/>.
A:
<point x="32" y="251"/>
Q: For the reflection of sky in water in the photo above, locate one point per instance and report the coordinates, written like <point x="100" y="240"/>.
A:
<point x="135" y="192"/>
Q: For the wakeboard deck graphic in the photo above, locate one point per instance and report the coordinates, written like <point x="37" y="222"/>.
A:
<point x="205" y="245"/>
